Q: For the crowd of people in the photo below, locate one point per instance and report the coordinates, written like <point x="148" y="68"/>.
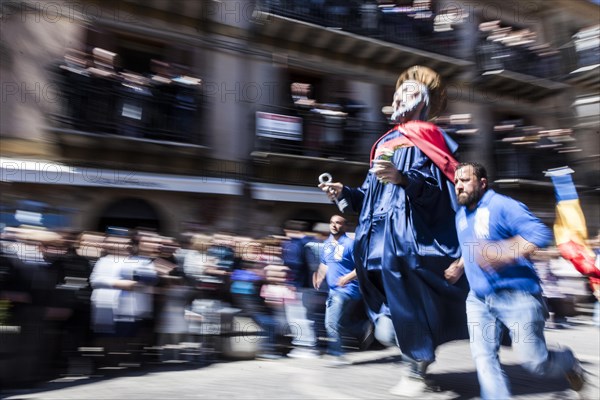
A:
<point x="134" y="296"/>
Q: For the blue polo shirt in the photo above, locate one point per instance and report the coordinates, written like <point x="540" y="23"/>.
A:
<point x="339" y="258"/>
<point x="495" y="218"/>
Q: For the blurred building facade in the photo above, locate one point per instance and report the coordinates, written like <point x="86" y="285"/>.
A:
<point x="220" y="115"/>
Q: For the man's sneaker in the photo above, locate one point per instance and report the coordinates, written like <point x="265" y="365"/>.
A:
<point x="268" y="356"/>
<point x="576" y="376"/>
<point x="410" y="386"/>
<point x="303" y="353"/>
<point x="337" y="361"/>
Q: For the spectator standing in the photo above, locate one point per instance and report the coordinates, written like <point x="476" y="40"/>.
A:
<point x="298" y="312"/>
<point x="121" y="298"/>
<point x="246" y="284"/>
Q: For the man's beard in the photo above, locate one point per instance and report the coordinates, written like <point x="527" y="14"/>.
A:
<point x="470" y="199"/>
<point x="408" y="109"/>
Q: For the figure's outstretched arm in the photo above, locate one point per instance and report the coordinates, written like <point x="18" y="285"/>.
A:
<point x="353" y="197"/>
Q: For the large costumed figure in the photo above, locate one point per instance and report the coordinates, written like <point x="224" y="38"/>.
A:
<point x="406" y="237"/>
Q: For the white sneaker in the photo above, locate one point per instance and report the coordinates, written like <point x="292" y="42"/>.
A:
<point x="303" y="353"/>
<point x="337" y="361"/>
<point x="409" y="387"/>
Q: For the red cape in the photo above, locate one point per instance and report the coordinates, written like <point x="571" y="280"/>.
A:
<point x="429" y="139"/>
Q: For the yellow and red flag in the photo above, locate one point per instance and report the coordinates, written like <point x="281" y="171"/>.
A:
<point x="570" y="231"/>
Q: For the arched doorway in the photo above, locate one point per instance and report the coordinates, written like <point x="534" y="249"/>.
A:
<point x="130" y="213"/>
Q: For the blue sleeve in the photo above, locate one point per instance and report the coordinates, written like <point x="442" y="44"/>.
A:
<point x="355" y="196"/>
<point x="520" y="221"/>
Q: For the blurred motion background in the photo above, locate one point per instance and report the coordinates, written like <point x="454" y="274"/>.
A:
<point x="188" y="118"/>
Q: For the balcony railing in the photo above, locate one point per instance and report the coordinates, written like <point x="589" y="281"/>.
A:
<point x="521" y="50"/>
<point x="128" y="105"/>
<point x="401" y="25"/>
<point x="423" y="30"/>
<point x="524" y="152"/>
<point x="494" y="56"/>
<point x="320" y="133"/>
<point x="580" y="59"/>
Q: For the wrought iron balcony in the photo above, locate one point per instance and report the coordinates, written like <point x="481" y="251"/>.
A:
<point x="97" y="101"/>
<point x="583" y="62"/>
<point x="493" y="56"/>
<point x="316" y="133"/>
<point x="405" y="26"/>
<point x="524" y="152"/>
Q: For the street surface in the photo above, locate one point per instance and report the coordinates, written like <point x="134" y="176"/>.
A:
<point x="370" y="376"/>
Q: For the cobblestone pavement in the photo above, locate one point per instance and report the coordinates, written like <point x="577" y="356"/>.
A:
<point x="369" y="376"/>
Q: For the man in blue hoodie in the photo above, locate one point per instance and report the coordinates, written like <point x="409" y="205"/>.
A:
<point x="497" y="234"/>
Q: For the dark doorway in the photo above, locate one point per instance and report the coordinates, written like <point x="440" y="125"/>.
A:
<point x="308" y="215"/>
<point x="130" y="213"/>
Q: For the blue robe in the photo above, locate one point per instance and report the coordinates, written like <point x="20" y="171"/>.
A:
<point x="405" y="239"/>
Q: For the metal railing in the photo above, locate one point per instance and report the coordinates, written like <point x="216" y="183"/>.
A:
<point x="395" y="25"/>
<point x="492" y="56"/>
<point x="415" y="29"/>
<point x="342" y="137"/>
<point x="111" y="104"/>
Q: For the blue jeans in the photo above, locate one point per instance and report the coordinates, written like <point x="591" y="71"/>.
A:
<point x="524" y="315"/>
<point x="301" y="326"/>
<point x="338" y="308"/>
